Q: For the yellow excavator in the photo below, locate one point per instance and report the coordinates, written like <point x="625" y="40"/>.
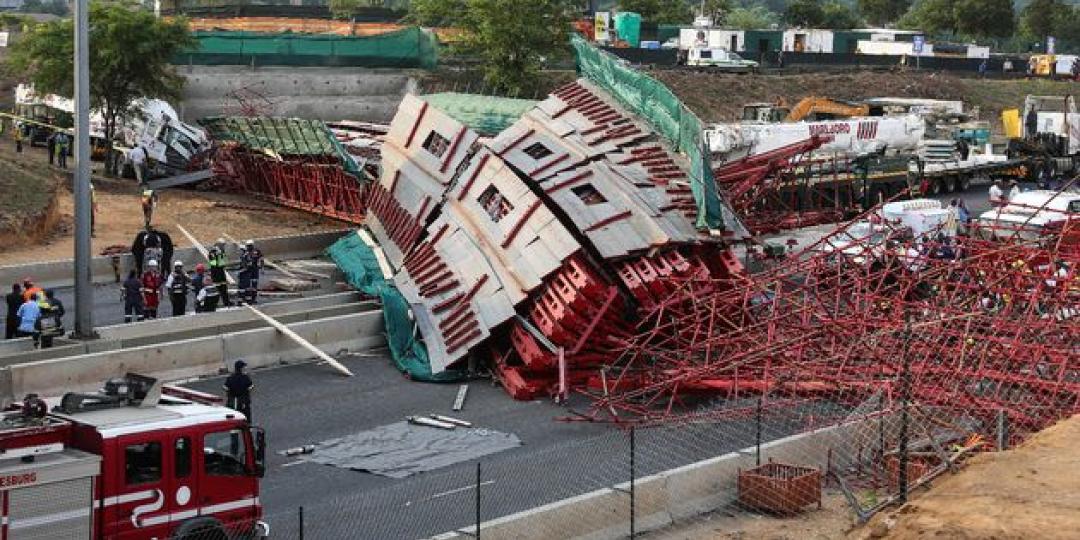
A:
<point x="809" y="108"/>
<point x="820" y="108"/>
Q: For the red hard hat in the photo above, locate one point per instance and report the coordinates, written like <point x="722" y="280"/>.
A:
<point x="200" y="267"/>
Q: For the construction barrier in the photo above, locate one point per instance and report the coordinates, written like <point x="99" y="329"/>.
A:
<point x="407" y="48"/>
<point x="361" y="267"/>
<point x="658" y="105"/>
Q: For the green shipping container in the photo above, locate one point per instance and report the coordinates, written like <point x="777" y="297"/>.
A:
<point x="628" y="26"/>
<point x="763" y="41"/>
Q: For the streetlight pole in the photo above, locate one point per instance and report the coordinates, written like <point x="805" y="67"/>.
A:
<point x="84" y="294"/>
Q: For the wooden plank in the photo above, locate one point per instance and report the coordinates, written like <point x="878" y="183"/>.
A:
<point x="302" y="342"/>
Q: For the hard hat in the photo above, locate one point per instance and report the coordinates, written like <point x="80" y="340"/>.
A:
<point x="249" y="243"/>
<point x="152" y="263"/>
<point x="178" y="263"/>
<point x="200" y="267"/>
<point x="27" y="280"/>
<point x="220" y="240"/>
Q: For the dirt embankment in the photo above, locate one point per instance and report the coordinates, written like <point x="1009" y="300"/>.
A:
<point x="37" y="212"/>
<point x="29" y="203"/>
<point x="718" y="97"/>
<point x="1032" y="491"/>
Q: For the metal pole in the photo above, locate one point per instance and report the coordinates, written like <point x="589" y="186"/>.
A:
<point x="1002" y="431"/>
<point x="300" y="525"/>
<point x="477" y="500"/>
<point x="757" y="432"/>
<point x="84" y="299"/>
<point x="905" y="398"/>
<point x="633" y="452"/>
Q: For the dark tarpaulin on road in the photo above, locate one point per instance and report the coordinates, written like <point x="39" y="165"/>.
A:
<point x="403" y="449"/>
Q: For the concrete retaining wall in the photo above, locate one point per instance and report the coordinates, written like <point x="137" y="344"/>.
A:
<point x="667" y="497"/>
<point x="192" y="357"/>
<point x="61" y="273"/>
<point x="338" y="93"/>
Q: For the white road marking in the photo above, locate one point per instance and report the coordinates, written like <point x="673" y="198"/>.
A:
<point x="450" y="492"/>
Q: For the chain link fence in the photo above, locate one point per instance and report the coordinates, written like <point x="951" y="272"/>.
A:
<point x="773" y="455"/>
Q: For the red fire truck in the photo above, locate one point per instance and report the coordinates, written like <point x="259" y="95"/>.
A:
<point x="136" y="461"/>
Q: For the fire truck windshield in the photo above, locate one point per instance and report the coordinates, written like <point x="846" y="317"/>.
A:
<point x="225" y="453"/>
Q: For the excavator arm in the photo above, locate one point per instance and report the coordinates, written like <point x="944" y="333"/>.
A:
<point x="819" y="105"/>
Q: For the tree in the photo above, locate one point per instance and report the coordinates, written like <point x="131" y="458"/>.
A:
<point x="347" y="9"/>
<point x="659" y="11"/>
<point x="805" y="14"/>
<point x="716" y="9"/>
<point x="752" y="18"/>
<point x="54" y="7"/>
<point x="931" y="16"/>
<point x="883" y="12"/>
<point x="840" y="17"/>
<point x="512" y="38"/>
<point x="1043" y="18"/>
<point x="984" y="18"/>
<point x="129" y="58"/>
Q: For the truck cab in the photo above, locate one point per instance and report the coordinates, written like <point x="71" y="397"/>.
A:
<point x="172" y="463"/>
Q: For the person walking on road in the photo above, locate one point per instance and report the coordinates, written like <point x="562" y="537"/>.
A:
<point x="29" y="313"/>
<point x="14" y="300"/>
<point x="997" y="196"/>
<point x="216" y="256"/>
<point x="178" y="283"/>
<point x="238" y="387"/>
<point x="250" y="264"/>
<point x="62" y="149"/>
<point x="51" y="322"/>
<point x="50" y="143"/>
<point x="151" y="290"/>
<point x="149" y="203"/>
<point x="18" y="134"/>
<point x="137" y="158"/>
<point x="1014" y="190"/>
<point x="131" y="295"/>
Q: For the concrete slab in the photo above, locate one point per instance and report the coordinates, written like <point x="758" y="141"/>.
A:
<point x="192" y="357"/>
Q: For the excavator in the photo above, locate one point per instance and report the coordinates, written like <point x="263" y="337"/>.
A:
<point x="809" y="108"/>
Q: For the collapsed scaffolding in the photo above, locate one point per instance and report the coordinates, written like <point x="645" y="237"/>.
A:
<point x="587" y="249"/>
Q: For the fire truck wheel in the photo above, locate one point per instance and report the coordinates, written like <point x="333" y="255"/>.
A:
<point x="201" y="529"/>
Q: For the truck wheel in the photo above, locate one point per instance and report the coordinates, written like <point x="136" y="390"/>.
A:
<point x="201" y="529"/>
<point x="963" y="183"/>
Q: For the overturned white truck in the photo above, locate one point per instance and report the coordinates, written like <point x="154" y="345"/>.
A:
<point x="173" y="146"/>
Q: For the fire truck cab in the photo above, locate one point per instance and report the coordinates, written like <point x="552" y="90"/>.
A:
<point x="136" y="461"/>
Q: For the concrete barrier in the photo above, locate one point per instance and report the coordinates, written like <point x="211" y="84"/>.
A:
<point x="192" y="357"/>
<point x="60" y="273"/>
<point x="667" y="497"/>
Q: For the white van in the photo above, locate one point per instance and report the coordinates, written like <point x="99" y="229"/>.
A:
<point x="1029" y="215"/>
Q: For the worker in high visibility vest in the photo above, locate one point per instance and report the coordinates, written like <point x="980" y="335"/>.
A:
<point x="149" y="202"/>
<point x="216" y="257"/>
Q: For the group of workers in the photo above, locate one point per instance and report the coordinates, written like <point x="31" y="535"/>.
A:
<point x="998" y="196"/>
<point x="142" y="294"/>
<point x="33" y="312"/>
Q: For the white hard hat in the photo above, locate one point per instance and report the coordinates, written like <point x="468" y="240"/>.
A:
<point x="221" y="240"/>
<point x="249" y="242"/>
<point x="178" y="263"/>
<point x="152" y="263"/>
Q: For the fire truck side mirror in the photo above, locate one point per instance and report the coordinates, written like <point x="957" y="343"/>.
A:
<point x="259" y="436"/>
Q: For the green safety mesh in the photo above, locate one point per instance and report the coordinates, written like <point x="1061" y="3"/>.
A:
<point x="357" y="261"/>
<point x="487" y="115"/>
<point x="405" y="48"/>
<point x="283" y="136"/>
<point x="650" y="99"/>
<point x="628" y="28"/>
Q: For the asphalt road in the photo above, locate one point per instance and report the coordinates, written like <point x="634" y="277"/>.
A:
<point x="308" y="404"/>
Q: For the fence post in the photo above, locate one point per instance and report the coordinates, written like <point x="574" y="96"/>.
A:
<point x="757" y="432"/>
<point x="477" y="499"/>
<point x="1002" y="430"/>
<point x="633" y="452"/>
<point x="905" y="399"/>
<point x="300" y="522"/>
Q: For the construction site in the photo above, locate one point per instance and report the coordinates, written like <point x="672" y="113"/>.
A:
<point x="621" y="307"/>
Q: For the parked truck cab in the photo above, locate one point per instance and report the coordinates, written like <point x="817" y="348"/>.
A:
<point x="164" y="466"/>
